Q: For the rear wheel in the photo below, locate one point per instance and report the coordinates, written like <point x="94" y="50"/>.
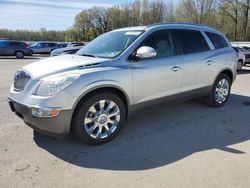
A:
<point x="220" y="91"/>
<point x="99" y="118"/>
<point x="19" y="54"/>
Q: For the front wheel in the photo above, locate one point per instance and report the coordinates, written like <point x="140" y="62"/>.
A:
<point x="220" y="91"/>
<point x="99" y="118"/>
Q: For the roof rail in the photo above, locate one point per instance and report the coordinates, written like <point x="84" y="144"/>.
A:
<point x="181" y="23"/>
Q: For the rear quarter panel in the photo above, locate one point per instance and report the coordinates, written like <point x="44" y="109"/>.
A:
<point x="224" y="58"/>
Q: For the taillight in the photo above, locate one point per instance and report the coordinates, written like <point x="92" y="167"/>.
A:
<point x="26" y="45"/>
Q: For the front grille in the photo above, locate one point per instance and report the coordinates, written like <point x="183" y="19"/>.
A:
<point x="20" y="80"/>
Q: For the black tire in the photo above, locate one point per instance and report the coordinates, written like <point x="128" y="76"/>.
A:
<point x="240" y="65"/>
<point x="19" y="54"/>
<point x="212" y="95"/>
<point x="78" y="123"/>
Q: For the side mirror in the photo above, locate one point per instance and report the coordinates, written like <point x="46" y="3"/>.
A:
<point x="145" y="52"/>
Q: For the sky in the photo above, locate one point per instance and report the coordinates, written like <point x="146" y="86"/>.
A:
<point x="50" y="14"/>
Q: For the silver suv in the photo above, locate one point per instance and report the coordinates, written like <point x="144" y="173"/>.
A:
<point x="92" y="93"/>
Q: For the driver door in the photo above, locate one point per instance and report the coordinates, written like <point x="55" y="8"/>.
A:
<point x="160" y="76"/>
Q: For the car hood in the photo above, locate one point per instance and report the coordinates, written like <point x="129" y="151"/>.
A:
<point x="58" y="64"/>
<point x="61" y="50"/>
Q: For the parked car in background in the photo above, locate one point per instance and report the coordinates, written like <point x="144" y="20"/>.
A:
<point x="76" y="44"/>
<point x="93" y="92"/>
<point x="246" y="48"/>
<point x="43" y="47"/>
<point x="67" y="50"/>
<point x="240" y="58"/>
<point x="14" y="48"/>
<point x="247" y="55"/>
<point x="62" y="44"/>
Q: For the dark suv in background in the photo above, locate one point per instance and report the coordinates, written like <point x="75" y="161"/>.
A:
<point x="14" y="48"/>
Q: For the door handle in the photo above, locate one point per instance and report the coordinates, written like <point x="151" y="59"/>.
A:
<point x="175" y="68"/>
<point x="209" y="62"/>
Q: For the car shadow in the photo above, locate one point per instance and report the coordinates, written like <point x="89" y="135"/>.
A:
<point x="244" y="71"/>
<point x="161" y="135"/>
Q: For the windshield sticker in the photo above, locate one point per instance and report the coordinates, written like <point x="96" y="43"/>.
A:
<point x="133" y="33"/>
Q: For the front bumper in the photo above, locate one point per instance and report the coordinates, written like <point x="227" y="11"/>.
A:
<point x="54" y="126"/>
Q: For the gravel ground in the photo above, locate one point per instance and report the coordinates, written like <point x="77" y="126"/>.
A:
<point x="180" y="145"/>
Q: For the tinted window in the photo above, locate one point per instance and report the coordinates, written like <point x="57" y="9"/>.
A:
<point x="3" y="44"/>
<point x="217" y="40"/>
<point x="192" y="41"/>
<point x="51" y="44"/>
<point x="162" y="42"/>
<point x="16" y="44"/>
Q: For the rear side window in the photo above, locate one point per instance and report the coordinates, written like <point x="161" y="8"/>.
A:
<point x="18" y="44"/>
<point x="217" y="40"/>
<point x="192" y="41"/>
<point x="3" y="44"/>
<point x="15" y="44"/>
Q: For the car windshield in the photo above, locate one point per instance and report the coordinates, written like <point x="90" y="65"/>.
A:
<point x="110" y="45"/>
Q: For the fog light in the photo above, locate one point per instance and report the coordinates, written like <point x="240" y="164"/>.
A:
<point x="45" y="112"/>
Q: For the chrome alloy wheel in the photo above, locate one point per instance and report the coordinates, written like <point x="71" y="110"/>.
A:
<point x="102" y="119"/>
<point x="221" y="91"/>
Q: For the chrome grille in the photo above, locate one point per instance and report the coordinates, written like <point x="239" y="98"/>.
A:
<point x="20" y="80"/>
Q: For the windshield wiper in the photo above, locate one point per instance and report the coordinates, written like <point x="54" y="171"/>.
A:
<point x="89" y="55"/>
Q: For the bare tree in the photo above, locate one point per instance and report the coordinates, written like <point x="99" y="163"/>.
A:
<point x="196" y="11"/>
<point x="245" y="7"/>
<point x="231" y="8"/>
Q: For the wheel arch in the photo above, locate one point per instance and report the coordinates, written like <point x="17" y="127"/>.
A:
<point x="19" y="51"/>
<point x="110" y="88"/>
<point x="240" y="60"/>
<point x="228" y="72"/>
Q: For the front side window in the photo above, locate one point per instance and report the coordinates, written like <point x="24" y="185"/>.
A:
<point x="110" y="45"/>
<point x="51" y="44"/>
<point x="37" y="45"/>
<point x="217" y="40"/>
<point x="162" y="42"/>
<point x="192" y="41"/>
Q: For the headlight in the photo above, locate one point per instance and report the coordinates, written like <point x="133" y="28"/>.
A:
<point x="54" y="84"/>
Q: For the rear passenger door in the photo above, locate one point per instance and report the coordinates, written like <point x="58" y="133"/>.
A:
<point x="196" y="59"/>
<point x="13" y="47"/>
